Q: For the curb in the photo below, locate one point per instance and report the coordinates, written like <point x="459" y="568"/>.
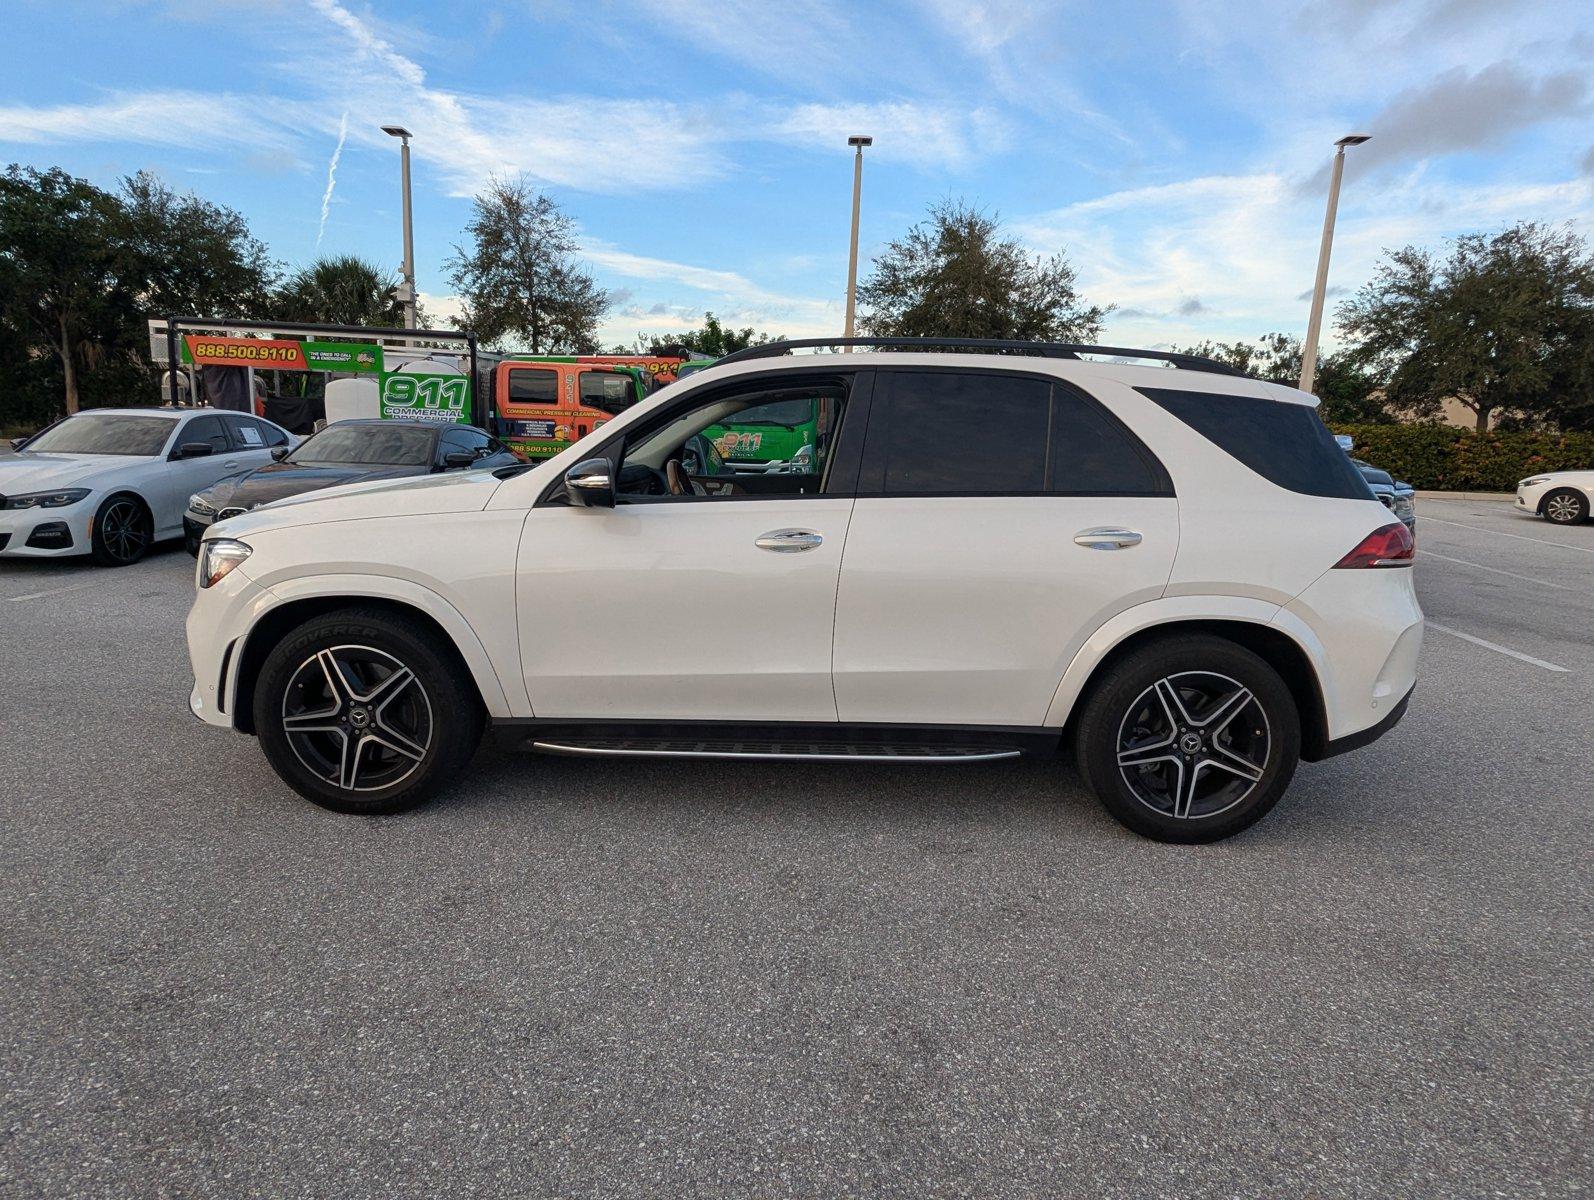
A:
<point x="1503" y="497"/>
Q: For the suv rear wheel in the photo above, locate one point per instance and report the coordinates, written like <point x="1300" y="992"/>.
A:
<point x="1190" y="739"/>
<point x="361" y="713"/>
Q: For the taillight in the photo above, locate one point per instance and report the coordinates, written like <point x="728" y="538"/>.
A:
<point x="1387" y="546"/>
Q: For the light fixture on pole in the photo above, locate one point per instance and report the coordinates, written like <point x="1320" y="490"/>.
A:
<point x="852" y="254"/>
<point x="406" y="290"/>
<point x="1314" y="325"/>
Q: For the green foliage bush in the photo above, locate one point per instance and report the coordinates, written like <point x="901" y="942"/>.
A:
<point x="1441" y="458"/>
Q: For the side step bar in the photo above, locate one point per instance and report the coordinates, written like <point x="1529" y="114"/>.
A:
<point x="775" y="750"/>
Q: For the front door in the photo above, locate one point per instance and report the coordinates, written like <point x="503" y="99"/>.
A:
<point x="964" y="593"/>
<point x="697" y="597"/>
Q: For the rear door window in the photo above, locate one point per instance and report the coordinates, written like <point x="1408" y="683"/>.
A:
<point x="955" y="433"/>
<point x="1287" y="444"/>
<point x="990" y="434"/>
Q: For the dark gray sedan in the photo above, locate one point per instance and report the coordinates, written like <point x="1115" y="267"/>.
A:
<point x="347" y="452"/>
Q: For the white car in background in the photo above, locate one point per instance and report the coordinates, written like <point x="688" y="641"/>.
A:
<point x="113" y="481"/>
<point x="1560" y="497"/>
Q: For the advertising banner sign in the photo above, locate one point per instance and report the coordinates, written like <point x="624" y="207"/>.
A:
<point x="282" y="354"/>
<point x="444" y="398"/>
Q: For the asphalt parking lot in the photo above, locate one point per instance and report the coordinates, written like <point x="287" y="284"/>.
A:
<point x="598" y="978"/>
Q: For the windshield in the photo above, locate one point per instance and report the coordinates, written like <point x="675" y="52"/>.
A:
<point x="106" y="433"/>
<point x="790" y="413"/>
<point x="368" y="445"/>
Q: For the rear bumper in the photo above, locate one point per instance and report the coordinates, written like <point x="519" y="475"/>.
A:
<point x="1366" y="737"/>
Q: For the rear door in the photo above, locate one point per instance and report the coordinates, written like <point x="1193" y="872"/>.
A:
<point x="977" y="558"/>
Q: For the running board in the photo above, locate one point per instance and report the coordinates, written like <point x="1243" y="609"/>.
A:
<point x="775" y="750"/>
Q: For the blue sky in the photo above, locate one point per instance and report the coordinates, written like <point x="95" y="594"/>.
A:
<point x="1175" y="151"/>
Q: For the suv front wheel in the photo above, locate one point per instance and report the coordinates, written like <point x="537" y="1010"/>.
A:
<point x="363" y="713"/>
<point x="1190" y="739"/>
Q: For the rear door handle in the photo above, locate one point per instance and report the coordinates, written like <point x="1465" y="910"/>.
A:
<point x="1107" y="539"/>
<point x="788" y="541"/>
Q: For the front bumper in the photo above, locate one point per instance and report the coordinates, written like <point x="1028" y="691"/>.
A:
<point x="46" y="532"/>
<point x="218" y="614"/>
<point x="1529" y="498"/>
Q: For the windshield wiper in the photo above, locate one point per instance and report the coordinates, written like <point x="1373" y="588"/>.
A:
<point x="776" y="424"/>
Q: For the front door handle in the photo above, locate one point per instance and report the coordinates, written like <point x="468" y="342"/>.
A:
<point x="1107" y="539"/>
<point x="788" y="541"/>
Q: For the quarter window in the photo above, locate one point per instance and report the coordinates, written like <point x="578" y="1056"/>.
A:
<point x="1285" y="443"/>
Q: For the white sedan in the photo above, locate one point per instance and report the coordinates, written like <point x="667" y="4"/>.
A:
<point x="1560" y="497"/>
<point x="112" y="481"/>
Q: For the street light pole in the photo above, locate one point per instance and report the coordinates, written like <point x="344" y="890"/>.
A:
<point x="1314" y="325"/>
<point x="852" y="254"/>
<point x="407" y="290"/>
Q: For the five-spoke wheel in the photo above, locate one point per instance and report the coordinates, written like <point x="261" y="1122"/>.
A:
<point x="362" y="711"/>
<point x="1188" y="739"/>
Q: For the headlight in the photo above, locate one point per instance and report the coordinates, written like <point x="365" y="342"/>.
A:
<point x="1536" y="480"/>
<point x="47" y="499"/>
<point x="1405" y="506"/>
<point x="197" y="505"/>
<point x="217" y="557"/>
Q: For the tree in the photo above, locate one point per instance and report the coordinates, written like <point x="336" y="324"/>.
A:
<point x="954" y="275"/>
<point x="60" y="264"/>
<point x="713" y="340"/>
<point x="1502" y="324"/>
<point x="1347" y="393"/>
<point x="519" y="279"/>
<point x="340" y="290"/>
<point x="184" y="256"/>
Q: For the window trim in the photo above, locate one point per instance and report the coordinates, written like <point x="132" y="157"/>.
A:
<point x="1162" y="480"/>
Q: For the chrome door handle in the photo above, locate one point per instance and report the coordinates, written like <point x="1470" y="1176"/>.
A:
<point x="788" y="541"/>
<point x="1106" y="539"/>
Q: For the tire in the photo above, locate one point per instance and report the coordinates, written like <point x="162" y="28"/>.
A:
<point x="384" y="717"/>
<point x="1211" y="734"/>
<point x="1565" y="506"/>
<point x="122" y="532"/>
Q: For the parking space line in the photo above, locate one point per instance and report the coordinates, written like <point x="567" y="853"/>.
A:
<point x="1497" y="571"/>
<point x="1497" y="648"/>
<point x="71" y="587"/>
<point x="1502" y="533"/>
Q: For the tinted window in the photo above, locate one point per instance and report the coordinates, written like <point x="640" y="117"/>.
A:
<point x="956" y="432"/>
<point x="1287" y="444"/>
<point x="89" y="433"/>
<point x="269" y="433"/>
<point x="531" y="386"/>
<point x="604" y="390"/>
<point x="208" y="430"/>
<point x="1091" y="453"/>
<point x="374" y="444"/>
<point x="247" y="434"/>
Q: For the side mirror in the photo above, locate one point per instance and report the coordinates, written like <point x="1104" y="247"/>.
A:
<point x="195" y="450"/>
<point x="1346" y="442"/>
<point x="590" y="484"/>
<point x="278" y="453"/>
<point x="455" y="459"/>
<point x="18" y="442"/>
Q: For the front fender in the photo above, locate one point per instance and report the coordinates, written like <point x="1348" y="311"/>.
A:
<point x="499" y="701"/>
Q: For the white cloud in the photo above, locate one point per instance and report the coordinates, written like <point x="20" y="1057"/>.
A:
<point x="332" y="179"/>
<point x="904" y="131"/>
<point x="165" y="118"/>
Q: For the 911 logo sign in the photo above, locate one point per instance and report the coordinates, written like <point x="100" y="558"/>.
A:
<point x="426" y="397"/>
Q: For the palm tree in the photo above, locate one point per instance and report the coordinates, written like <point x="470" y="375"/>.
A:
<point x="340" y="290"/>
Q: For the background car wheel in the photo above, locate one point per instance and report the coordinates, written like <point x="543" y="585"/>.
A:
<point x="361" y="713"/>
<point x="1566" y="507"/>
<point x="1189" y="739"/>
<point x="122" y="531"/>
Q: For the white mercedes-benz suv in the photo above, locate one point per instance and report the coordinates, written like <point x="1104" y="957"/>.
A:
<point x="998" y="549"/>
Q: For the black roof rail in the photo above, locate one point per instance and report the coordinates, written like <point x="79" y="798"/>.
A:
<point x="1185" y="362"/>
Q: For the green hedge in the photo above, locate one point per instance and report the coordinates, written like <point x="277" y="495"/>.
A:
<point x="1440" y="458"/>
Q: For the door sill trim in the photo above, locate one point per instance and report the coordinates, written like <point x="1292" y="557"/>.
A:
<point x="836" y="753"/>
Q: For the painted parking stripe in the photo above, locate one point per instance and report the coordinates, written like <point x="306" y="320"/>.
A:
<point x="52" y="592"/>
<point x="1497" y="648"/>
<point x="1502" y="533"/>
<point x="1498" y="571"/>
